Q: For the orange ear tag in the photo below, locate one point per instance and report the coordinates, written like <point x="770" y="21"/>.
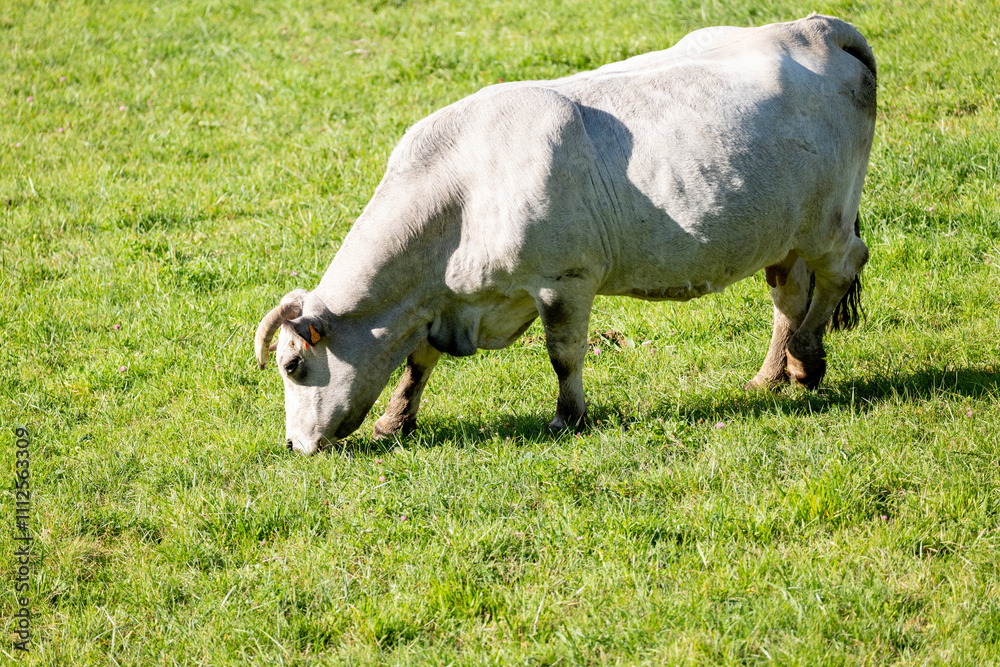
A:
<point x="314" y="335"/>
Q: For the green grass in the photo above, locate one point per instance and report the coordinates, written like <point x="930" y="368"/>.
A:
<point x="175" y="168"/>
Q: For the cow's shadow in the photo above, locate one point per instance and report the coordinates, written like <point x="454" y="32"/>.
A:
<point x="857" y="397"/>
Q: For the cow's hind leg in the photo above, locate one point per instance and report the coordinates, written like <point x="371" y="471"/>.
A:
<point x="566" y="317"/>
<point x="836" y="276"/>
<point x="789" y="281"/>
<point x="401" y="415"/>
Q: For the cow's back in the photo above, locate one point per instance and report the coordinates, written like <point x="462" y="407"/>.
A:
<point x="719" y="150"/>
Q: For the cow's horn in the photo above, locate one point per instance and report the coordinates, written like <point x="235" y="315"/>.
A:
<point x="289" y="308"/>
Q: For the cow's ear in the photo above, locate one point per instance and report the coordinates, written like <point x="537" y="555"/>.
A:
<point x="309" y="329"/>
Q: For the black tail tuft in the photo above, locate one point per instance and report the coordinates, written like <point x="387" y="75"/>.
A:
<point x="849" y="312"/>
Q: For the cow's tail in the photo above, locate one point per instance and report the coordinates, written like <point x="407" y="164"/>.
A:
<point x="849" y="312"/>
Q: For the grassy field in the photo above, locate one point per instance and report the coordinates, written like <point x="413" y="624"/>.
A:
<point x="169" y="170"/>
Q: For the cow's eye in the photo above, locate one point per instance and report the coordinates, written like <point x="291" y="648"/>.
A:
<point x="292" y="365"/>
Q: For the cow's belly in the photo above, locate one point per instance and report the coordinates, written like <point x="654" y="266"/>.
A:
<point x="682" y="276"/>
<point x="684" y="292"/>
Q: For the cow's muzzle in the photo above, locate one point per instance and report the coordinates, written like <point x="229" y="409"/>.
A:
<point x="308" y="447"/>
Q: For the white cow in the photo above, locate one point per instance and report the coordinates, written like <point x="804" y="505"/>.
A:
<point x="664" y="177"/>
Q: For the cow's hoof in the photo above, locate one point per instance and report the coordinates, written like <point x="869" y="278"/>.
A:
<point x="763" y="383"/>
<point x="389" y="426"/>
<point x="806" y="372"/>
<point x="562" y="422"/>
<point x="556" y="425"/>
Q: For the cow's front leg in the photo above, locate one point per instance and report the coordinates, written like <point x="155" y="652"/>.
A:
<point x="789" y="281"/>
<point x="566" y="316"/>
<point x="401" y="415"/>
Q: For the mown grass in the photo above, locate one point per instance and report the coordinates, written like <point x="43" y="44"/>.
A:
<point x="169" y="170"/>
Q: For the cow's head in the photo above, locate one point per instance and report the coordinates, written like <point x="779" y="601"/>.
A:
<point x="333" y="367"/>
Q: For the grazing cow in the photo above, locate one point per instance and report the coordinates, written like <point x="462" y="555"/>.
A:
<point x="664" y="177"/>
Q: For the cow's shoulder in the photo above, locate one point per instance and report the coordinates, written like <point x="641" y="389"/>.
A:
<point x="500" y="114"/>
